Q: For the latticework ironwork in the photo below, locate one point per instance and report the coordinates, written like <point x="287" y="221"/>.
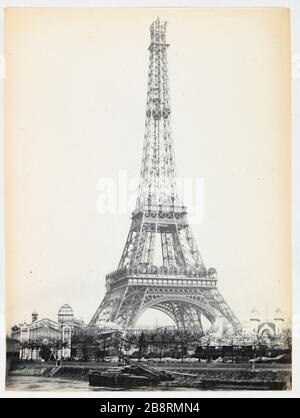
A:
<point x="180" y="286"/>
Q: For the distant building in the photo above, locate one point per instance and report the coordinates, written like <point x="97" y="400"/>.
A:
<point x="65" y="314"/>
<point x="42" y="331"/>
<point x="264" y="327"/>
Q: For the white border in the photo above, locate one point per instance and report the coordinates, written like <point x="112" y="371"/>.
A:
<point x="294" y="6"/>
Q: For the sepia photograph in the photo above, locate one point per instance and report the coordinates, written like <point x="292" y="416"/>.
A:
<point x="148" y="226"/>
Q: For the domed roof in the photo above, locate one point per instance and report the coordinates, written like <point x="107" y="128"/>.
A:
<point x="65" y="310"/>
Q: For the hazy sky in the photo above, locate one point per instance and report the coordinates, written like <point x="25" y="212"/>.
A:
<point x="75" y="111"/>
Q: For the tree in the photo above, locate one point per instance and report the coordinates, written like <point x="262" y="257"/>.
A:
<point x="117" y="343"/>
<point x="184" y="338"/>
<point x="23" y="346"/>
<point x="45" y="351"/>
<point x="83" y="338"/>
<point x="126" y="347"/>
<point x="206" y="341"/>
<point x="101" y="341"/>
<point x="31" y="346"/>
<point x="287" y="337"/>
<point x="162" y="344"/>
<point x="142" y="344"/>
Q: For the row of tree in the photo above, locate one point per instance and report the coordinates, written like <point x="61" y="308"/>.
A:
<point x="46" y="348"/>
<point x="164" y="342"/>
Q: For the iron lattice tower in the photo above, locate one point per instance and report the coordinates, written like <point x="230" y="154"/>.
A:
<point x="180" y="286"/>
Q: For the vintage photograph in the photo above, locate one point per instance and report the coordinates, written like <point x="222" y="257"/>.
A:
<point x="148" y="199"/>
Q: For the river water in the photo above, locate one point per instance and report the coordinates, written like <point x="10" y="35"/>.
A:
<point x="50" y="384"/>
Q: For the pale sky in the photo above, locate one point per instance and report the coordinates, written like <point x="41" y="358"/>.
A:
<point x="75" y="110"/>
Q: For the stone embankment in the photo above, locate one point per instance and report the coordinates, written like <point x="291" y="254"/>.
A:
<point x="212" y="374"/>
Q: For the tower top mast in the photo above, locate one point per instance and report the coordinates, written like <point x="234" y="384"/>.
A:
<point x="158" y="172"/>
<point x="158" y="31"/>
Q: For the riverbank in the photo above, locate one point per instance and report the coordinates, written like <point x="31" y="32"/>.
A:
<point x="48" y="370"/>
<point x="213" y="375"/>
<point x="52" y="384"/>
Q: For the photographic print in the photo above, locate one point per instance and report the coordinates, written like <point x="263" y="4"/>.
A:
<point x="148" y="199"/>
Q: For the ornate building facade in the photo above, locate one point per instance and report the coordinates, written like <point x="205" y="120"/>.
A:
<point x="47" y="332"/>
<point x="265" y="327"/>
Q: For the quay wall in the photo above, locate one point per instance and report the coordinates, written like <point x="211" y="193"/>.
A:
<point x="225" y="372"/>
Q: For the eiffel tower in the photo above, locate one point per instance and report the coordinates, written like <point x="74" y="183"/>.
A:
<point x="181" y="286"/>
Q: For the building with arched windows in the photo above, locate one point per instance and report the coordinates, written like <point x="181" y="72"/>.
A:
<point x="46" y="331"/>
<point x="263" y="327"/>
